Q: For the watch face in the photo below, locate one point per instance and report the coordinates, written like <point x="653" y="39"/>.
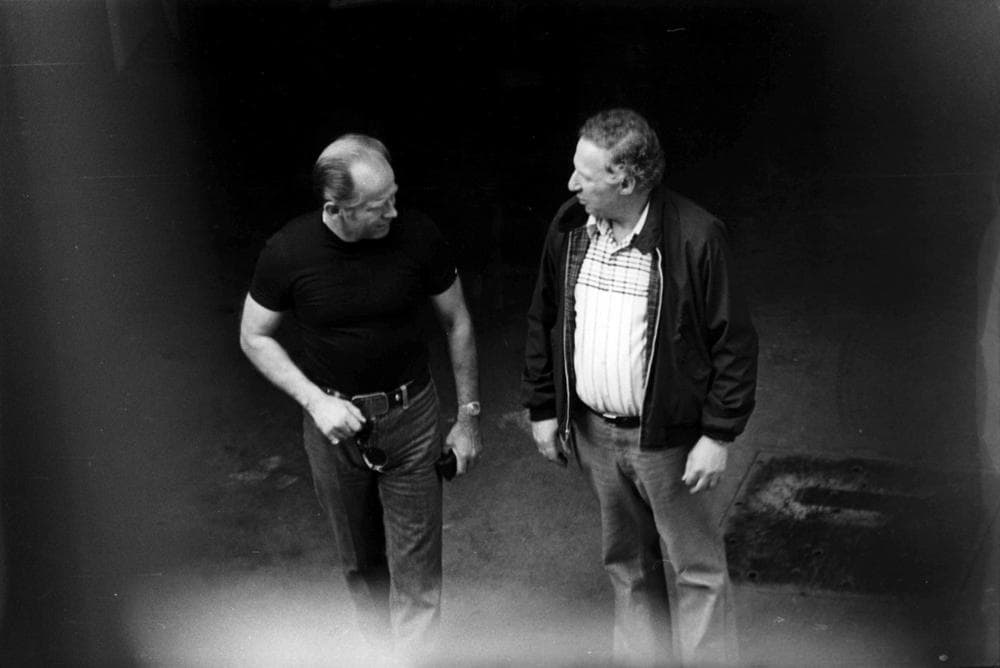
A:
<point x="471" y="408"/>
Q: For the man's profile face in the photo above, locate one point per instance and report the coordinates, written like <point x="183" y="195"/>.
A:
<point x="372" y="216"/>
<point x="596" y="188"/>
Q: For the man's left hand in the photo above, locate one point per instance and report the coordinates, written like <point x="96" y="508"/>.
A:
<point x="705" y="464"/>
<point x="464" y="440"/>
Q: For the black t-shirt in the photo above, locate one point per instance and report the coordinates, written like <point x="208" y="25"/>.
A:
<point x="356" y="303"/>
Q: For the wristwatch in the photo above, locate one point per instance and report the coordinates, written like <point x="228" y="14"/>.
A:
<point x="471" y="409"/>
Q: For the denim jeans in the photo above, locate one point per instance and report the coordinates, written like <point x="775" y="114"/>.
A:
<point x="387" y="525"/>
<point x="648" y="516"/>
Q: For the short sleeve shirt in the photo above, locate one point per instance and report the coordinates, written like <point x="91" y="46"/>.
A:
<point x="356" y="304"/>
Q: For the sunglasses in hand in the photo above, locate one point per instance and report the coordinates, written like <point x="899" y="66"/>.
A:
<point x="375" y="457"/>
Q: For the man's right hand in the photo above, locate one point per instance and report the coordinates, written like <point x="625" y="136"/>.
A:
<point x="336" y="418"/>
<point x="547" y="441"/>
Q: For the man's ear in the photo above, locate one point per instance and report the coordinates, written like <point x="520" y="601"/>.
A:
<point x="330" y="208"/>
<point x="626" y="186"/>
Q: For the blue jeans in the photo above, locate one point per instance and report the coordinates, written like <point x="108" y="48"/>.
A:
<point x="648" y="516"/>
<point x="387" y="525"/>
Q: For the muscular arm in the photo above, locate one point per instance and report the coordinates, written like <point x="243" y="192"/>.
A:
<point x="451" y="310"/>
<point x="335" y="417"/>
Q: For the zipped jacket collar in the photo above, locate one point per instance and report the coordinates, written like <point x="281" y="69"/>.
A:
<point x="658" y="219"/>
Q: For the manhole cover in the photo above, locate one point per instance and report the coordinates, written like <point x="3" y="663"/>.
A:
<point x="856" y="525"/>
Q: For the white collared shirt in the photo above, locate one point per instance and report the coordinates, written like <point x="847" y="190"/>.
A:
<point x="610" y="309"/>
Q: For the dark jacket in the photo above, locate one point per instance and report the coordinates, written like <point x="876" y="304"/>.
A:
<point x="702" y="367"/>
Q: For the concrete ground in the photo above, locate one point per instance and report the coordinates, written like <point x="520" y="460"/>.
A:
<point x="157" y="505"/>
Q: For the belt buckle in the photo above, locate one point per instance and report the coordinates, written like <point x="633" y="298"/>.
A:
<point x="622" y="421"/>
<point x="376" y="403"/>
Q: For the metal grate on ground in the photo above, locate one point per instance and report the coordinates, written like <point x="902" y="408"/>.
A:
<point x="857" y="525"/>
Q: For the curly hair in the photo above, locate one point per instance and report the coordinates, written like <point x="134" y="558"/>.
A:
<point x="331" y="175"/>
<point x="634" y="146"/>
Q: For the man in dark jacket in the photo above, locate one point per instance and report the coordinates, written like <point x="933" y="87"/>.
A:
<point x="641" y="363"/>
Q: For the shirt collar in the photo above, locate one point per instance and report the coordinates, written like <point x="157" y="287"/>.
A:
<point x="602" y="228"/>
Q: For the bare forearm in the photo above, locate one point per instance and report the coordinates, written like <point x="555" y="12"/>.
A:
<point x="273" y="362"/>
<point x="464" y="439"/>
<point x="462" y="349"/>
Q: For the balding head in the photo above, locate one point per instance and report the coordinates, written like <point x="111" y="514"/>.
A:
<point x="332" y="173"/>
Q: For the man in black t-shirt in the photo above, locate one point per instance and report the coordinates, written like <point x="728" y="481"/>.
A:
<point x="354" y="276"/>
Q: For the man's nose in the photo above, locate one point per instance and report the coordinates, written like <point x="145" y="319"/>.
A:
<point x="573" y="184"/>
<point x="390" y="212"/>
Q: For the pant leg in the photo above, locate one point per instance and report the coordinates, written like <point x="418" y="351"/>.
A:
<point x="630" y="543"/>
<point x="411" y="495"/>
<point x="703" y="620"/>
<point x="348" y="493"/>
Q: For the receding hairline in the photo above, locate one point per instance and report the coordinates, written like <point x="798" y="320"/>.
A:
<point x="351" y="148"/>
<point x="336" y="168"/>
<point x="605" y="141"/>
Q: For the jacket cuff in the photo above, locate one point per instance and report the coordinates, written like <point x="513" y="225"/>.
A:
<point x="723" y="436"/>
<point x="724" y="425"/>
<point x="539" y="413"/>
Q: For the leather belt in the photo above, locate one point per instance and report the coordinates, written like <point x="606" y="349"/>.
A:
<point x="621" y="421"/>
<point x="377" y="404"/>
